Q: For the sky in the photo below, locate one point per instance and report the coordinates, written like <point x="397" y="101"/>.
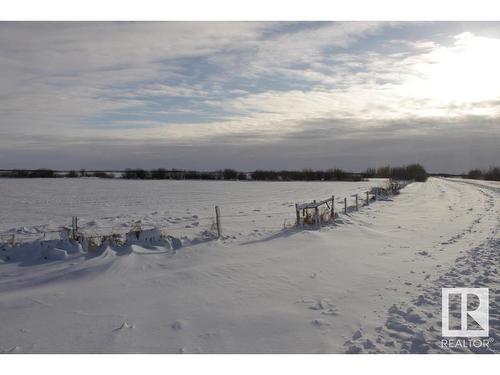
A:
<point x="249" y="95"/>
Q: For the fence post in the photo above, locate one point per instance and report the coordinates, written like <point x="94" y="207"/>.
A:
<point x="332" y="211"/>
<point x="367" y="198"/>
<point x="316" y="214"/>
<point x="74" y="227"/>
<point x="217" y="221"/>
<point x="357" y="206"/>
<point x="345" y="205"/>
<point x="297" y="213"/>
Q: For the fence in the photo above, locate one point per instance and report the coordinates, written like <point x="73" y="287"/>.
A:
<point x="310" y="214"/>
<point x="118" y="234"/>
<point x="317" y="213"/>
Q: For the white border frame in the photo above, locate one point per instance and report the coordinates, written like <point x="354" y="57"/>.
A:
<point x="245" y="10"/>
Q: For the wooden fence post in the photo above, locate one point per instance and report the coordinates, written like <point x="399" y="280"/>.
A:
<point x="332" y="210"/>
<point x="357" y="206"/>
<point x="297" y="214"/>
<point x="316" y="214"/>
<point x="217" y="221"/>
<point x="367" y="198"/>
<point x="345" y="205"/>
<point x="74" y="227"/>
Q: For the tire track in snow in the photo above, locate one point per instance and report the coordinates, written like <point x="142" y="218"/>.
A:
<point x="414" y="326"/>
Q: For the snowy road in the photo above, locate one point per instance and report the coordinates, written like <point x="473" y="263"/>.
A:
<point x="371" y="283"/>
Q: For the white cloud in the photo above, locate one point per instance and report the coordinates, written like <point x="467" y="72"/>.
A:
<point x="54" y="76"/>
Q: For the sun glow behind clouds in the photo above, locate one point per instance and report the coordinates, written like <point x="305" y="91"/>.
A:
<point x="464" y="73"/>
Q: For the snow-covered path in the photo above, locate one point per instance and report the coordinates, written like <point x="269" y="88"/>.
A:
<point x="293" y="292"/>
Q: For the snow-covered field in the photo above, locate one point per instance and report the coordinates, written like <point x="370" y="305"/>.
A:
<point x="370" y="283"/>
<point x="31" y="207"/>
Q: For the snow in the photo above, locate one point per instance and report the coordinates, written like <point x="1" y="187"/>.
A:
<point x="31" y="207"/>
<point x="370" y="283"/>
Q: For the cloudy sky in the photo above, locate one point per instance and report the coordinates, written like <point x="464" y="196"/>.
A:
<point x="249" y="95"/>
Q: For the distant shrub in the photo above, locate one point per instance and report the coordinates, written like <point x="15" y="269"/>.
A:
<point x="101" y="174"/>
<point x="384" y="172"/>
<point x="140" y="174"/>
<point x="262" y="175"/>
<point x="19" y="173"/>
<point x="414" y="172"/>
<point x="370" y="172"/>
<point x="492" y="174"/>
<point x="42" y="173"/>
<point x="475" y="174"/>
<point x="207" y="176"/>
<point x="159" y="174"/>
<point x="339" y="174"/>
<point x="229" y="174"/>
<point x="192" y="175"/>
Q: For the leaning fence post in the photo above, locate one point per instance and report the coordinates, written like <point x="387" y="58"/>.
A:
<point x="345" y="205"/>
<point x="297" y="213"/>
<point x="217" y="221"/>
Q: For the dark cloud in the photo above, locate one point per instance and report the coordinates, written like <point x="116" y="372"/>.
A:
<point x="443" y="146"/>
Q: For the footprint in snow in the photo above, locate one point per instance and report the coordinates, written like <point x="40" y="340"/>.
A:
<point x="357" y="335"/>
<point x="331" y="312"/>
<point x="319" y="323"/>
<point x="179" y="325"/>
<point x="124" y="325"/>
<point x="321" y="304"/>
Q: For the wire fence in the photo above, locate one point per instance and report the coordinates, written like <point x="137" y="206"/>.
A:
<point x="223" y="224"/>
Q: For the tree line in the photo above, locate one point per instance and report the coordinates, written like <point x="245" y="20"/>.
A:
<point x="49" y="173"/>
<point x="410" y="172"/>
<point x="493" y="173"/>
<point x="414" y="172"/>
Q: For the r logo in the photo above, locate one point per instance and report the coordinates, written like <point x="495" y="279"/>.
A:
<point x="479" y="313"/>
